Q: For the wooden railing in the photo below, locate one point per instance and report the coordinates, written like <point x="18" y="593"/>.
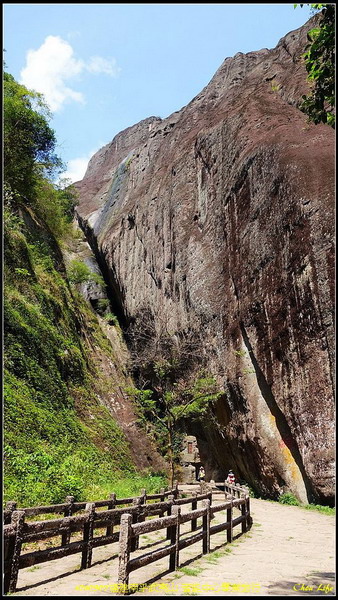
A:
<point x="132" y="520"/>
<point x="235" y="490"/>
<point x="130" y="532"/>
<point x="17" y="531"/>
<point x="70" y="507"/>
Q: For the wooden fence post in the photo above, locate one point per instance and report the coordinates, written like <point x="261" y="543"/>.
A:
<point x="228" y="493"/>
<point x="18" y="521"/>
<point x="8" y="543"/>
<point x="143" y="500"/>
<point x="175" y="490"/>
<point x="193" y="507"/>
<point x="175" y="539"/>
<point x="124" y="553"/>
<point x="171" y="502"/>
<point x="210" y="497"/>
<point x="229" y="520"/>
<point x="162" y="499"/>
<point x="65" y="538"/>
<point x="111" y="505"/>
<point x="136" y="518"/>
<point x="9" y="509"/>
<point x="243" y="511"/>
<point x="248" y="516"/>
<point x="206" y="528"/>
<point x="88" y="532"/>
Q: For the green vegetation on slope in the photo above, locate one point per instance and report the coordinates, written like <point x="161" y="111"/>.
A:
<point x="319" y="59"/>
<point x="29" y="142"/>
<point x="59" y="439"/>
<point x="49" y="450"/>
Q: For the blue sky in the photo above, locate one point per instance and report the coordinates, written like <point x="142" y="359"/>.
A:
<point x="104" y="67"/>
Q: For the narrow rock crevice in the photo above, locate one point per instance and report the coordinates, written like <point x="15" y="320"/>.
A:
<point x="114" y="292"/>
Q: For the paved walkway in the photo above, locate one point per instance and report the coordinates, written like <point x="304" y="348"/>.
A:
<point x="288" y="551"/>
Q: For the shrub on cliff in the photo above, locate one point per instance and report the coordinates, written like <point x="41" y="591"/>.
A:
<point x="320" y="65"/>
<point x="30" y="161"/>
<point x="29" y="142"/>
<point x="79" y="272"/>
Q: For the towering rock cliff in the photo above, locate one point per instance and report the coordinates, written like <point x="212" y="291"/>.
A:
<point x="219" y="220"/>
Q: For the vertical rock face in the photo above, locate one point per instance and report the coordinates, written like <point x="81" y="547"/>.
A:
<point x="112" y="370"/>
<point x="219" y="219"/>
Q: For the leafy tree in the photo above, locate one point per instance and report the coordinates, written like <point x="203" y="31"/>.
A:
<point x="320" y="65"/>
<point x="29" y="142"/>
<point x="173" y="403"/>
<point x="54" y="205"/>
<point x="79" y="272"/>
<point x="30" y="162"/>
<point x="184" y="402"/>
<point x="164" y="362"/>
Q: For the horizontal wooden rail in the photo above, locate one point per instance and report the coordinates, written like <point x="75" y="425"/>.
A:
<point x="154" y="525"/>
<point x="146" y="559"/>
<point x="148" y="509"/>
<point x="220" y="527"/>
<point x="235" y="490"/>
<point x="193" y="539"/>
<point x="35" y="558"/>
<point x="11" y="506"/>
<point x="130" y="531"/>
<point x="194" y="514"/>
<point x="163" y="494"/>
<point x="225" y="505"/>
<point x="18" y="531"/>
<point x="91" y="518"/>
<point x="197" y="497"/>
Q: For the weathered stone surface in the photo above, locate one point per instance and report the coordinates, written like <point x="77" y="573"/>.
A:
<point x="113" y="367"/>
<point x="219" y="219"/>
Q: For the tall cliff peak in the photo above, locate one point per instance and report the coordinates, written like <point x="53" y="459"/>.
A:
<point x="219" y="221"/>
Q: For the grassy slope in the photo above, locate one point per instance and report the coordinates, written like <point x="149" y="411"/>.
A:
<point x="58" y="438"/>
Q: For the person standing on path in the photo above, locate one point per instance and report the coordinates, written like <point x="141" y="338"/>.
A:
<point x="201" y="474"/>
<point x="231" y="478"/>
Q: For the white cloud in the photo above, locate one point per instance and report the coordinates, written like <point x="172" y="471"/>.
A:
<point x="77" y="167"/>
<point x="97" y="64"/>
<point x="49" y="67"/>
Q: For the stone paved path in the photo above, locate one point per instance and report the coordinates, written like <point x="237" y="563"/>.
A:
<point x="288" y="551"/>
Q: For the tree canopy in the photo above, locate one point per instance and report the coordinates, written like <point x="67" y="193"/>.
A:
<point x="30" y="161"/>
<point x="29" y="142"/>
<point x="176" y="388"/>
<point x="320" y="65"/>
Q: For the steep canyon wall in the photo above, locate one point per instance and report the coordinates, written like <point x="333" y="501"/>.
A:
<point x="219" y="220"/>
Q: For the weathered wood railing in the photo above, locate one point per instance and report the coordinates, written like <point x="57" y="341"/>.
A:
<point x="235" y="490"/>
<point x="129" y="532"/>
<point x="71" y="507"/>
<point x="17" y="531"/>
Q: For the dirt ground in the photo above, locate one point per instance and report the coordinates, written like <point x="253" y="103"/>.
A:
<point x="288" y="551"/>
